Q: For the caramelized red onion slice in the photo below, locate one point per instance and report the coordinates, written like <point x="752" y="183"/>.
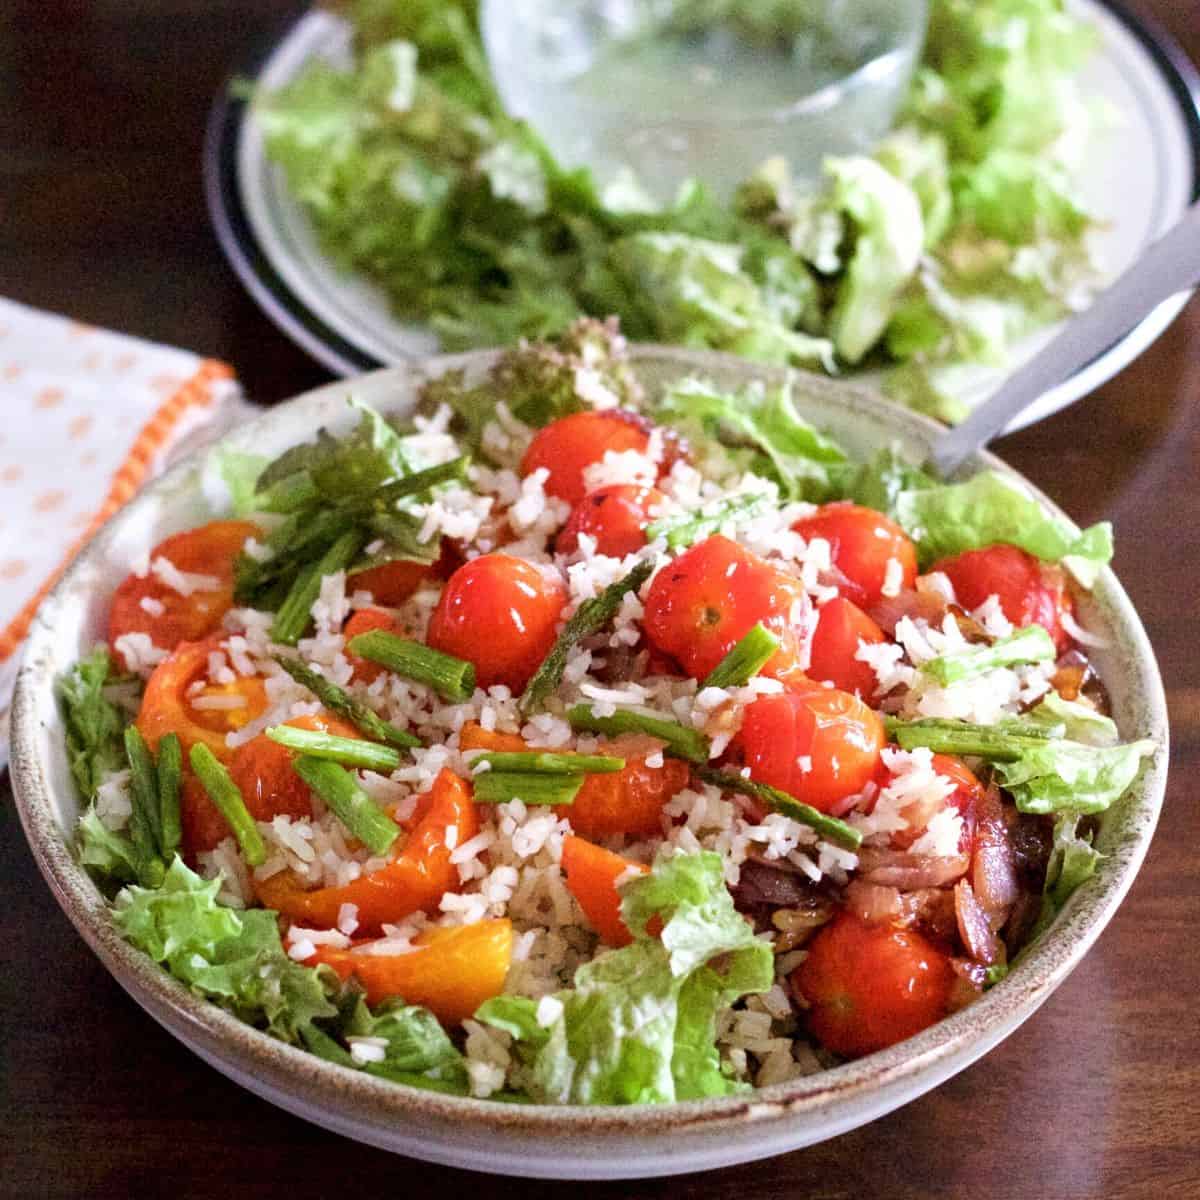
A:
<point x="908" y="872"/>
<point x="873" y="902"/>
<point x="994" y="867"/>
<point x="973" y="926"/>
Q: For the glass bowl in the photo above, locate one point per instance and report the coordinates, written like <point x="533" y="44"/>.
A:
<point x="655" y="92"/>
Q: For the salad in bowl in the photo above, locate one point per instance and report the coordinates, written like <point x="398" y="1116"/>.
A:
<point x="578" y="742"/>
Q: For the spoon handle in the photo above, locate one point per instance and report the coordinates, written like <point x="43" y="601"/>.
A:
<point x="1170" y="265"/>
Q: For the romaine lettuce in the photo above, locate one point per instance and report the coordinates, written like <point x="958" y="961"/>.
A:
<point x="639" y="1024"/>
<point x="94" y="725"/>
<point x="949" y="518"/>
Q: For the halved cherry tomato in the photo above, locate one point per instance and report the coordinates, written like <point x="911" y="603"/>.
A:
<point x="592" y="873"/>
<point x="201" y="825"/>
<point x="168" y="616"/>
<point x="861" y="543"/>
<point x="869" y="986"/>
<point x="500" y="613"/>
<point x="416" y="878"/>
<point x="452" y="974"/>
<point x="616" y="516"/>
<point x="167" y="707"/>
<point x="820" y="746"/>
<point x="568" y="446"/>
<point x="703" y="603"/>
<point x="364" y="621"/>
<point x="628" y="801"/>
<point x="262" y="769"/>
<point x="1030" y="592"/>
<point x="841" y="626"/>
<point x="390" y="584"/>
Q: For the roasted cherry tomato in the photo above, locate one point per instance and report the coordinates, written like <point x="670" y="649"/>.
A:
<point x="861" y="543"/>
<point x="364" y="621"/>
<point x="416" y="878"/>
<point x="966" y="795"/>
<point x="451" y="972"/>
<point x="820" y="746"/>
<point x="499" y="613"/>
<point x="262" y="769"/>
<point x="200" y="822"/>
<point x="170" y="704"/>
<point x="148" y="605"/>
<point x="568" y="446"/>
<point x="841" y="626"/>
<point x="869" y="986"/>
<point x="1030" y="592"/>
<point x="703" y="603"/>
<point x="616" y="516"/>
<point x="390" y="584"/>
<point x="628" y="801"/>
<point x="592" y="873"/>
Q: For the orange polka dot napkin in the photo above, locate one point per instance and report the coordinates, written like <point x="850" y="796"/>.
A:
<point x="89" y="416"/>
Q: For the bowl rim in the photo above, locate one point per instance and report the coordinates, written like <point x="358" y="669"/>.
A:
<point x="217" y="1034"/>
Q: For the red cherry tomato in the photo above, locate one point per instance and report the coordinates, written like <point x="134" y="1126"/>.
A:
<point x="820" y="746"/>
<point x="568" y="446"/>
<point x="703" y="603"/>
<point x="861" y="541"/>
<point x="869" y="986"/>
<point x="390" y="584"/>
<point x="616" y="516"/>
<point x="262" y="769"/>
<point x="629" y="801"/>
<point x="1030" y="592"/>
<point x="499" y="613"/>
<point x="364" y="621"/>
<point x="147" y="605"/>
<point x="841" y="626"/>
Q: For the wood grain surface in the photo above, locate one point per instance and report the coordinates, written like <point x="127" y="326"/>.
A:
<point x="102" y="109"/>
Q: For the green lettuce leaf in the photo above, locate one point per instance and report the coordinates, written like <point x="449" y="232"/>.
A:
<point x="695" y="292"/>
<point x="639" y="1024"/>
<point x="111" y="856"/>
<point x="417" y="1045"/>
<point x="234" y="958"/>
<point x="878" y="483"/>
<point x="762" y="432"/>
<point x="1080" y="723"/>
<point x="94" y="725"/>
<point x="1073" y="861"/>
<point x="889" y="235"/>
<point x="988" y="508"/>
<point x="1065" y="776"/>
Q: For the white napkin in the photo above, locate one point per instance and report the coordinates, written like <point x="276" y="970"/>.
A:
<point x="90" y="416"/>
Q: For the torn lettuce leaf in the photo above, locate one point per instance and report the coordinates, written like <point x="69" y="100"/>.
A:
<point x="639" y="1025"/>
<point x="111" y="856"/>
<point x="1079" y="722"/>
<point x="760" y="431"/>
<point x="695" y="292"/>
<point x="1073" y="861"/>
<point x="890" y="234"/>
<point x="949" y="518"/>
<point x="94" y="725"/>
<point x="1065" y="776"/>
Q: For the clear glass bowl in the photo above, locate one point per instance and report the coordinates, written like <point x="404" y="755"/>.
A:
<point x="677" y="89"/>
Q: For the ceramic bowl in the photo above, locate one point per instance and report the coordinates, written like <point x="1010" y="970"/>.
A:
<point x="550" y="1141"/>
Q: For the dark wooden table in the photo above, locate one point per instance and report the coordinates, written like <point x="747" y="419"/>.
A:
<point x="102" y="107"/>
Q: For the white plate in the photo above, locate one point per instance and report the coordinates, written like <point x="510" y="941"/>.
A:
<point x="1141" y="172"/>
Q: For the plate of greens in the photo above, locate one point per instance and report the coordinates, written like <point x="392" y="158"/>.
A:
<point x="379" y="204"/>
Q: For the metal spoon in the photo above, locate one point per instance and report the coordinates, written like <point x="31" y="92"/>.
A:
<point x="1170" y="265"/>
